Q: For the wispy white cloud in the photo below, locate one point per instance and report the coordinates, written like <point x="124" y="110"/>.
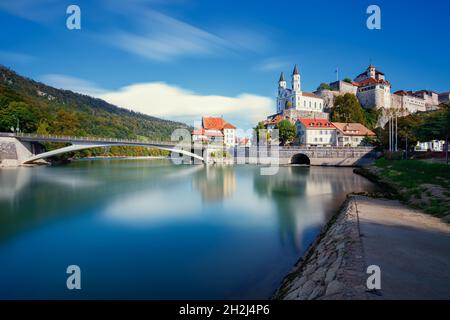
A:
<point x="160" y="37"/>
<point x="164" y="38"/>
<point x="75" y="84"/>
<point x="273" y="64"/>
<point x="15" y="57"/>
<point x="167" y="101"/>
<point x="38" y="11"/>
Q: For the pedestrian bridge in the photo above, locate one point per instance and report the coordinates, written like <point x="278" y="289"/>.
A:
<point x="81" y="143"/>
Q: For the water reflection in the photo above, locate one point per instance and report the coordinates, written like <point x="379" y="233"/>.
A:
<point x="161" y="231"/>
<point x="215" y="183"/>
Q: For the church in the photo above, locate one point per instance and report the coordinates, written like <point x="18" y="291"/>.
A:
<point x="294" y="98"/>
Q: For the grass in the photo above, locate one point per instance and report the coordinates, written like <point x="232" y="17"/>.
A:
<point x="421" y="184"/>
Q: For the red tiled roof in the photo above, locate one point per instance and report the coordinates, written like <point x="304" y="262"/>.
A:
<point x="229" y="126"/>
<point x="369" y="81"/>
<point x="216" y="123"/>
<point x="316" y="123"/>
<point x="275" y="120"/>
<point x="309" y="94"/>
<point x="353" y="129"/>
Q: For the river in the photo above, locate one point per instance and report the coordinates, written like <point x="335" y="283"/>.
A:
<point x="148" y="229"/>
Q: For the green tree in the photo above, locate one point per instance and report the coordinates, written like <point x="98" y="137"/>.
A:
<point x="19" y="113"/>
<point x="371" y="117"/>
<point x="323" y="86"/>
<point x="347" y="109"/>
<point x="286" y="131"/>
<point x="348" y="80"/>
<point x="436" y="126"/>
<point x="406" y="126"/>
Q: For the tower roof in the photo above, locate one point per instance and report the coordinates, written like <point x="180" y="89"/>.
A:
<point x="295" y="70"/>
<point x="281" y="77"/>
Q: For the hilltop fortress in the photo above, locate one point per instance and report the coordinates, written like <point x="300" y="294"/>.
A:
<point x="370" y="87"/>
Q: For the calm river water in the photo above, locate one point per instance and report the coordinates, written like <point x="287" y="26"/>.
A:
<point x="151" y="229"/>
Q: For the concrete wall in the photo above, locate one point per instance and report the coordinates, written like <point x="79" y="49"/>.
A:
<point x="13" y="151"/>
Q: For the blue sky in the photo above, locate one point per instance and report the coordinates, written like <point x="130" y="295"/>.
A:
<point x="179" y="59"/>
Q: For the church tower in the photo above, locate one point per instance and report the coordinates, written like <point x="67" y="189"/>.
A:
<point x="281" y="83"/>
<point x="296" y="79"/>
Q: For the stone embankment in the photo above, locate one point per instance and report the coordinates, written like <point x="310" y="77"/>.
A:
<point x="333" y="267"/>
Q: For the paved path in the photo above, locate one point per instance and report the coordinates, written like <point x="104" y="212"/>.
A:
<point x="412" y="250"/>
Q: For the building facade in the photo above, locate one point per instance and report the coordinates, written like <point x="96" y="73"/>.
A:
<point x="215" y="130"/>
<point x="294" y="98"/>
<point x="351" y="134"/>
<point x="444" y="97"/>
<point x="373" y="89"/>
<point x="316" y="132"/>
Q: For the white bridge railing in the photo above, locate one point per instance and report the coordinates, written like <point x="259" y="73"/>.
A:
<point x="59" y="138"/>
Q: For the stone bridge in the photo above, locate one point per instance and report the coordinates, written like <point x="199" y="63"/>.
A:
<point x="316" y="156"/>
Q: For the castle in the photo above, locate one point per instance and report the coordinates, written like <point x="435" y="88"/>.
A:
<point x="374" y="91"/>
<point x="370" y="87"/>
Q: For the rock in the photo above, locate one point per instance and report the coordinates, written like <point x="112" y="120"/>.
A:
<point x="340" y="246"/>
<point x="293" y="295"/>
<point x="319" y="275"/>
<point x="309" y="270"/>
<point x="331" y="274"/>
<point x="306" y="290"/>
<point x="298" y="283"/>
<point x="322" y="259"/>
<point x="317" y="292"/>
<point x="334" y="287"/>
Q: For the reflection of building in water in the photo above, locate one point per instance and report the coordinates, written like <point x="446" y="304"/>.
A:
<point x="305" y="198"/>
<point x="215" y="183"/>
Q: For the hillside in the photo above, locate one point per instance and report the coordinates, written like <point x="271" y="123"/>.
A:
<point x="44" y="109"/>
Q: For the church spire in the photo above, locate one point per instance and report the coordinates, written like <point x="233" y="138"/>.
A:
<point x="295" y="70"/>
<point x="281" y="77"/>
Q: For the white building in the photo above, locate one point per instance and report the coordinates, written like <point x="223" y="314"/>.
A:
<point x="316" y="132"/>
<point x="351" y="134"/>
<point x="373" y="89"/>
<point x="295" y="98"/>
<point x="406" y="100"/>
<point x="444" y="97"/>
<point x="435" y="145"/>
<point x="215" y="129"/>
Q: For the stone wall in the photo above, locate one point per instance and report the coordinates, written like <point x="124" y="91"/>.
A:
<point x="333" y="267"/>
<point x="13" y="151"/>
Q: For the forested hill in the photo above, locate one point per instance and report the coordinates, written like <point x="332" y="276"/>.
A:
<point x="44" y="109"/>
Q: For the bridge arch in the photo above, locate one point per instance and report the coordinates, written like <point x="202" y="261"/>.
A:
<point x="300" y="158"/>
<point x="83" y="146"/>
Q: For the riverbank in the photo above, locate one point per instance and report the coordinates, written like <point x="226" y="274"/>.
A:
<point x="410" y="247"/>
<point x="419" y="184"/>
<point x="333" y="266"/>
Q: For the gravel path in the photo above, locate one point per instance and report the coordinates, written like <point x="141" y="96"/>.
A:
<point x="412" y="250"/>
